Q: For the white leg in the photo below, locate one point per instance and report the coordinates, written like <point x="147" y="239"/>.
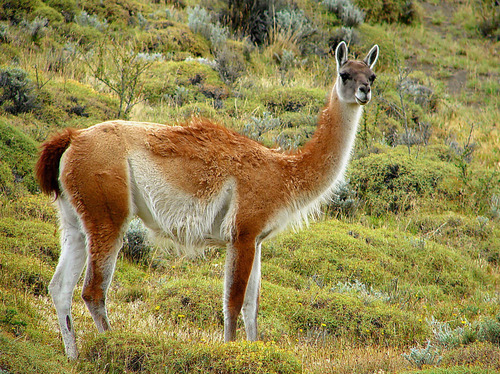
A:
<point x="68" y="271"/>
<point x="229" y="330"/>
<point x="251" y="303"/>
<point x="239" y="264"/>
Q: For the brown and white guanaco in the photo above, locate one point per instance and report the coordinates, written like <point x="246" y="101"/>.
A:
<point x="199" y="184"/>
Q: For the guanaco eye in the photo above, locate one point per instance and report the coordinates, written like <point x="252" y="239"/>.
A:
<point x="345" y="76"/>
<point x="372" y="78"/>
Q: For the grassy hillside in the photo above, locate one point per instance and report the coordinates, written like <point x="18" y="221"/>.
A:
<point x="401" y="274"/>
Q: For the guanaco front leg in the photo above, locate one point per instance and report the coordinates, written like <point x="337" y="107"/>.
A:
<point x="251" y="303"/>
<point x="239" y="263"/>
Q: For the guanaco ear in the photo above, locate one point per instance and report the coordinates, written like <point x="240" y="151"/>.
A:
<point x="372" y="56"/>
<point x="341" y="54"/>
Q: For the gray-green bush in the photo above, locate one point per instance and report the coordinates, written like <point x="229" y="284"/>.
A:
<point x="17" y="92"/>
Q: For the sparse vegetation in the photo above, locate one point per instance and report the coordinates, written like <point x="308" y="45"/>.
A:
<point x="402" y="272"/>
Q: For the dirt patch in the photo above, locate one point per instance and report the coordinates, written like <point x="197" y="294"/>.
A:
<point x="457" y="82"/>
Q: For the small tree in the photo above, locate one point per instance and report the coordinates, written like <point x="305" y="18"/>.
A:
<point x="119" y="66"/>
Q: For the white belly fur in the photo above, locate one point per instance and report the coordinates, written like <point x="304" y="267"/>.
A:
<point x="191" y="223"/>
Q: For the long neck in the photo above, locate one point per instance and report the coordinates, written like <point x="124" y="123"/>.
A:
<point x="324" y="158"/>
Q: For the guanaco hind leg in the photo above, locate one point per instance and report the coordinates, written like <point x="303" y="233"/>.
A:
<point x="105" y="218"/>
<point x="68" y="271"/>
<point x="239" y="263"/>
<point x="100" y="268"/>
<point x="98" y="190"/>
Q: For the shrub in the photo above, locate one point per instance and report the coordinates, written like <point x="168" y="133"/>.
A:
<point x="291" y="139"/>
<point x="230" y="64"/>
<point x="17" y="10"/>
<point x="489" y="15"/>
<point x="423" y="356"/>
<point x="345" y="201"/>
<point x="36" y="29"/>
<point x="478" y="354"/>
<point x="447" y="337"/>
<point x="495" y="206"/>
<point x="25" y="356"/>
<point x="18" y="94"/>
<point x="49" y="14"/>
<point x="67" y="8"/>
<point x="117" y="66"/>
<point x="258" y="126"/>
<point x="349" y="14"/>
<point x="392" y="181"/>
<point x="290" y="27"/>
<point x="199" y="21"/>
<point x="421" y="95"/>
<point x="250" y="18"/>
<point x="489" y="330"/>
<point x="390" y="11"/>
<point x="174" y="40"/>
<point x="294" y="99"/>
<point x="347" y="34"/>
<point x="197" y="78"/>
<point x="197" y="110"/>
<point x="121" y="12"/>
<point x="136" y="247"/>
<point x="85" y="19"/>
<point x="367" y="293"/>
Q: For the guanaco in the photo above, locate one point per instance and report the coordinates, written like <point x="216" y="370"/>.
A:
<point x="200" y="185"/>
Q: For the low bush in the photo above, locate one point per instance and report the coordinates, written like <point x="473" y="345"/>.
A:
<point x="348" y="13"/>
<point x="175" y="39"/>
<point x="136" y="247"/>
<point x="250" y="18"/>
<point x="67" y="8"/>
<point x="230" y="64"/>
<point x="191" y="81"/>
<point x="294" y="99"/>
<point x="392" y="181"/>
<point x="420" y="357"/>
<point x="18" y="93"/>
<point x="484" y="355"/>
<point x="390" y="11"/>
<point x="200" y="21"/>
<point x="17" y="10"/>
<point x="489" y="330"/>
<point x="290" y="29"/>
<point x="122" y="13"/>
<point x="489" y="18"/>
<point x="344" y="202"/>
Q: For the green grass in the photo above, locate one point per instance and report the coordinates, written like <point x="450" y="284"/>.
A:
<point x="351" y="293"/>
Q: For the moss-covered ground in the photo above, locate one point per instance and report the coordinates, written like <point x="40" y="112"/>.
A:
<point x="401" y="272"/>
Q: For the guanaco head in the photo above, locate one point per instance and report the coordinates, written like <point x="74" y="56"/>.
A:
<point x="355" y="77"/>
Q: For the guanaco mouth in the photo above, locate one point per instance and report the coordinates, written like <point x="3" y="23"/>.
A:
<point x="360" y="101"/>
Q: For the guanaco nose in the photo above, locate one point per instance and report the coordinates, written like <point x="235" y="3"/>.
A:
<point x="365" y="89"/>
